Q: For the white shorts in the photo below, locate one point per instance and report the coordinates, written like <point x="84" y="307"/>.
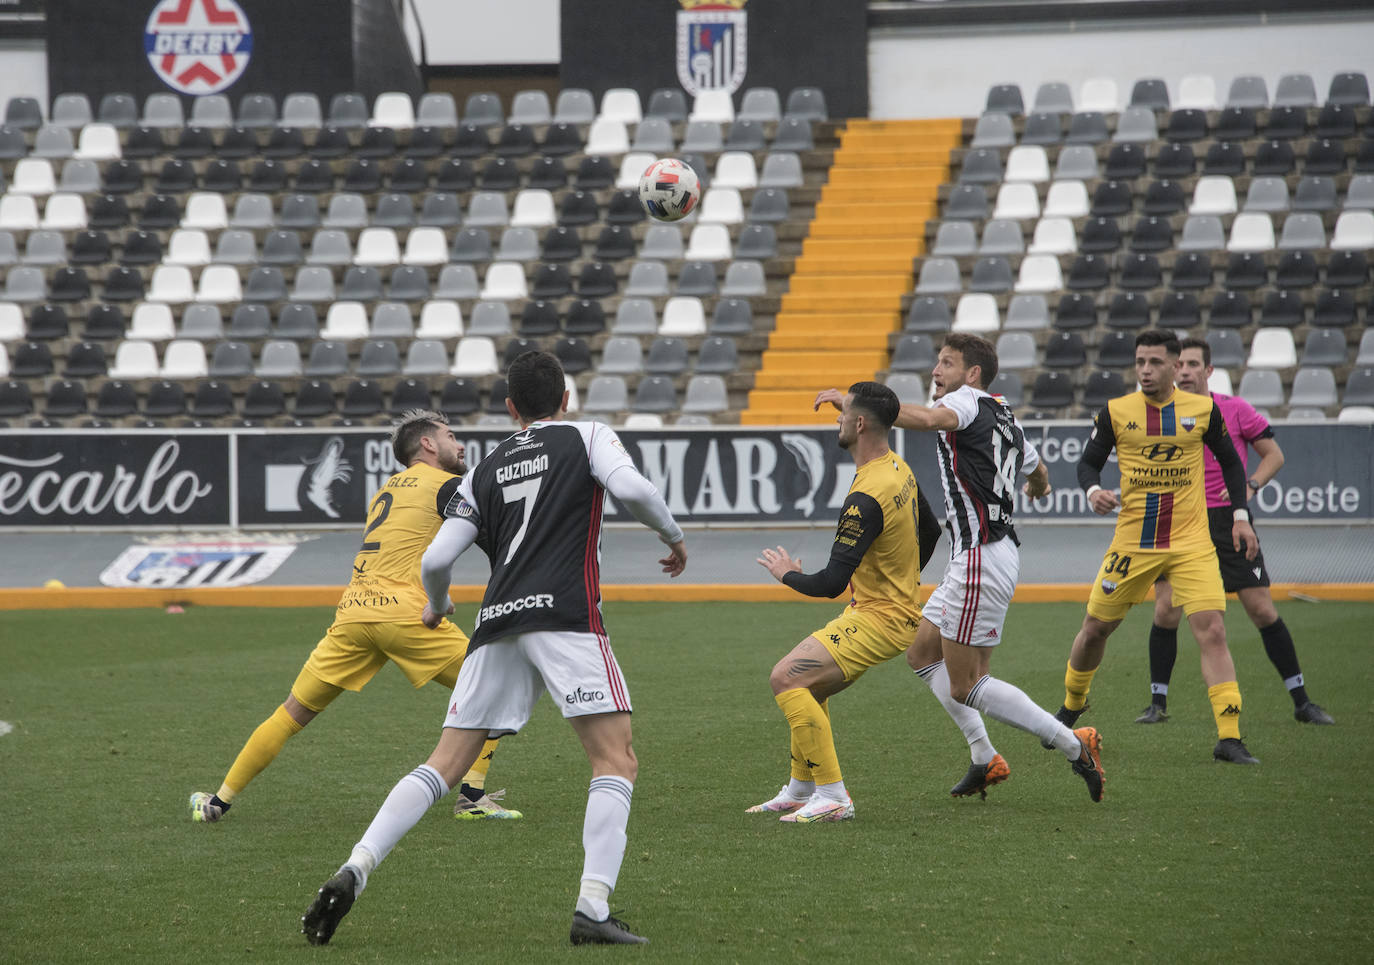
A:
<point x="970" y="604"/>
<point x="502" y="680"/>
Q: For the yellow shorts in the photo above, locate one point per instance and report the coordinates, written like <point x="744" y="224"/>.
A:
<point x="350" y="654"/>
<point x="860" y="640"/>
<point x="1128" y="573"/>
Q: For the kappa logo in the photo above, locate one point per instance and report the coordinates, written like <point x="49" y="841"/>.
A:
<point x="852" y="511"/>
<point x="1132" y="426"/>
<point x="712" y="45"/>
<point x="1231" y="711"/>
<point x="198" y="46"/>
<point x="1108" y="587"/>
<point x="835" y="639"/>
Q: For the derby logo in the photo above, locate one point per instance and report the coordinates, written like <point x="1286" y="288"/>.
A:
<point x="198" y="46"/>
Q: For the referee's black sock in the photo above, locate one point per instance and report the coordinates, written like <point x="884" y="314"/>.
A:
<point x="1278" y="645"/>
<point x="1163" y="653"/>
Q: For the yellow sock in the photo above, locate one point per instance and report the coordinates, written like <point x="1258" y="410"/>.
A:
<point x="1225" y="698"/>
<point x="476" y="777"/>
<point x="1076" y="684"/>
<point x="813" y="743"/>
<point x="262" y="748"/>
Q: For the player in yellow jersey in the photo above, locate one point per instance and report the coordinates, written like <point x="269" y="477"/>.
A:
<point x="1162" y="531"/>
<point x="378" y="617"/>
<point x="877" y="553"/>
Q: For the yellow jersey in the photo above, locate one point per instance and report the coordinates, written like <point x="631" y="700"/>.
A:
<point x="404" y="515"/>
<point x="878" y="531"/>
<point x="1159" y="448"/>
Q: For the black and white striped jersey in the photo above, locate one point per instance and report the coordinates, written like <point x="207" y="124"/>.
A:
<point x="538" y="499"/>
<point x="980" y="466"/>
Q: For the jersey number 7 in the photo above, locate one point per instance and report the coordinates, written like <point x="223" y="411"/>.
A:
<point x="525" y="492"/>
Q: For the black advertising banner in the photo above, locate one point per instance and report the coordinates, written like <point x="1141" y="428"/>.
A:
<point x="113" y="479"/>
<point x="707" y="44"/>
<point x="198" y="47"/>
<point x="754" y="477"/>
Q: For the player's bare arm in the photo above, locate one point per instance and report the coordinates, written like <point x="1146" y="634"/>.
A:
<point x="1271" y="461"/>
<point x="1038" y="482"/>
<point x="1218" y="439"/>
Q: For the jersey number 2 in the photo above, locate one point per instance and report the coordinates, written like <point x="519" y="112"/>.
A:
<point x="525" y="492"/>
<point x="382" y="507"/>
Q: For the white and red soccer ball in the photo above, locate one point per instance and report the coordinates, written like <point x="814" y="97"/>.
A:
<point x="669" y="189"/>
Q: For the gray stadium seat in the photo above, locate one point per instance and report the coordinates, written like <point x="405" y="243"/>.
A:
<point x="606" y="393"/>
<point x="706" y="393"/>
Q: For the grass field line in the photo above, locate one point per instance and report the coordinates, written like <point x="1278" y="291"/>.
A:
<point x="103" y="597"/>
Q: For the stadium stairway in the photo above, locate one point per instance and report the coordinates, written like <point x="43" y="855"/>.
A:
<point x="846" y="290"/>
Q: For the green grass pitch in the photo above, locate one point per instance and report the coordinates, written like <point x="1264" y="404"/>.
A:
<point x="119" y="715"/>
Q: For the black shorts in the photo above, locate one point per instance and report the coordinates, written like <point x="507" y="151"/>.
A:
<point x="1237" y="573"/>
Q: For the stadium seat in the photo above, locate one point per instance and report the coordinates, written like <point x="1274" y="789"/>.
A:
<point x="1075" y="310"/>
<point x="999" y="237"/>
<point x="1179" y="310"/>
<point x="1116" y="350"/>
<point x="1027" y="163"/>
<point x="977" y="313"/>
<point x="1052" y="390"/>
<point x="981" y="166"/>
<point x="1017" y="202"/>
<point x="683" y="317"/>
<point x="732" y="316"/>
<point x="1314" y="387"/>
<point x="1251" y="232"/>
<point x="1272" y="348"/>
<point x="1354" y="231"/>
<point x="1042" y="129"/>
<point x="706" y="394"/>
<point x="1302" y="231"/>
<point x="992" y="131"/>
<point x="806" y="103"/>
<point x="1076" y="162"/>
<point x="938" y="275"/>
<point x="1015" y="350"/>
<point x="1028" y="312"/>
<point x="1066" y="199"/>
<point x="1324" y="347"/>
<point x="1087" y="127"/>
<point x="966" y="202"/>
<point x="1101" y="387"/>
<point x="1005" y="99"/>
<point x="928" y="313"/>
<point x="1202" y="232"/>
<point x="1040" y="273"/>
<point x="249" y="323"/>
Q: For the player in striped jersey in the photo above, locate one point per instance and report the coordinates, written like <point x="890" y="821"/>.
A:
<point x="1248" y="579"/>
<point x="983" y="452"/>
<point x="1159" y="434"/>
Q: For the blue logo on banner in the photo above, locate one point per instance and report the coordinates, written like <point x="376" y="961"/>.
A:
<point x="712" y="43"/>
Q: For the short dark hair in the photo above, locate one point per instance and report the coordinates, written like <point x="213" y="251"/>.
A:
<point x="535" y="385"/>
<point x="1159" y="336"/>
<point x="976" y="350"/>
<point x="1192" y="341"/>
<point x="413" y="426"/>
<point x="876" y="401"/>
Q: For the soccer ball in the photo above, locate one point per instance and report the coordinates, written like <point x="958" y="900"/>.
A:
<point x="669" y="189"/>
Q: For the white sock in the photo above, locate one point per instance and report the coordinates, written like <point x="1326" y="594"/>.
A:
<point x="594" y="899"/>
<point x="603" y="840"/>
<point x="402" y="809"/>
<point x="800" y="790"/>
<point x="1009" y="704"/>
<point x="936" y="677"/>
<point x="833" y="792"/>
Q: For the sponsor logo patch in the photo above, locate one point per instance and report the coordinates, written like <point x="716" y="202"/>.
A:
<point x="198" y="46"/>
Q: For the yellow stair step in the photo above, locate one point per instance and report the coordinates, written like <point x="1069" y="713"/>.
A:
<point x="870" y="282"/>
<point x="846" y="322"/>
<point x="855" y="301"/>
<point x="834" y="335"/>
<point x="941" y="126"/>
<point x="868" y="229"/>
<point x="822" y="361"/>
<point x="896" y="176"/>
<point x="863" y="194"/>
<point x="834" y="264"/>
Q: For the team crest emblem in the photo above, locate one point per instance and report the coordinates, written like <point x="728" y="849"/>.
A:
<point x="712" y="43"/>
<point x="1108" y="586"/>
<point x="198" y="46"/>
<point x="1188" y="422"/>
